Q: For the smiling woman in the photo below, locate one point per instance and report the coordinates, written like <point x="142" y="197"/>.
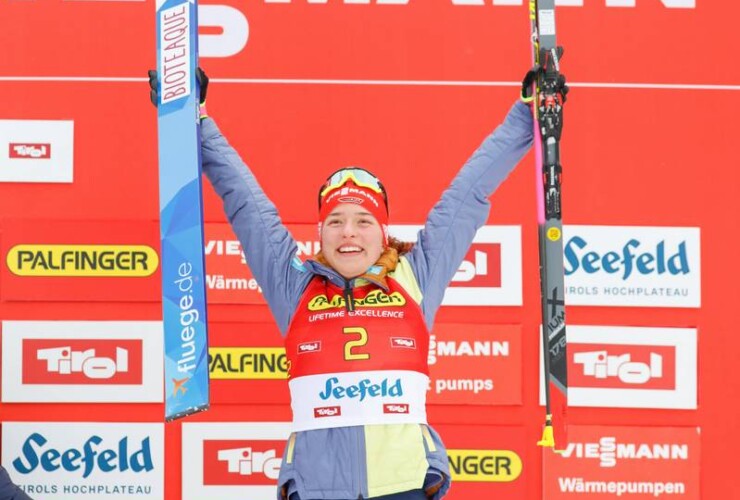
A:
<point x="356" y="319"/>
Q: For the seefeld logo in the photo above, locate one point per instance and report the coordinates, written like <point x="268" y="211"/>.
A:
<point x="633" y="257"/>
<point x="362" y="390"/>
<point x="90" y="458"/>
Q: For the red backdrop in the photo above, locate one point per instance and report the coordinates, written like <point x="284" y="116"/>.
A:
<point x="647" y="142"/>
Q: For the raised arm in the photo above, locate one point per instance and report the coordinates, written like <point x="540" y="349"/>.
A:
<point x="269" y="248"/>
<point x="463" y="209"/>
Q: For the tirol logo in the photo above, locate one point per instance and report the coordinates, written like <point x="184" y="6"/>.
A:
<point x="82" y="260"/>
<point x="608" y="451"/>
<point x="241" y="462"/>
<point x="365" y="388"/>
<point x="403" y="342"/>
<point x="29" y="151"/>
<point x="624" y="366"/>
<point x="481" y="267"/>
<point x="633" y="257"/>
<point x="309" y="347"/>
<point x="327" y="411"/>
<point x="395" y="408"/>
<point x="376" y="298"/>
<point x="94" y="456"/>
<point x="85" y="362"/>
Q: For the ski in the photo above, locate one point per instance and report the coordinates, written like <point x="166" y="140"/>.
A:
<point x="181" y="210"/>
<point x="549" y="97"/>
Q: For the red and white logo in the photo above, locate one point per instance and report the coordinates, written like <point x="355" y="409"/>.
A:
<point x="625" y="366"/>
<point x="631" y="367"/>
<point x="82" y="361"/>
<point x="482" y="279"/>
<point x="624" y="462"/>
<point x="327" y="411"/>
<point x="481" y="266"/>
<point x="243" y="462"/>
<point x="232" y="460"/>
<point x="403" y="342"/>
<point x="396" y="408"/>
<point x="89" y="361"/>
<point x="306" y="347"/>
<point x="37" y="151"/>
<point x="26" y="150"/>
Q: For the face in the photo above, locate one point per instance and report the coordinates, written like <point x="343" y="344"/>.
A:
<point x="351" y="240"/>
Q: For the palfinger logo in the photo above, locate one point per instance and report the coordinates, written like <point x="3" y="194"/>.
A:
<point x="124" y="261"/>
<point x="497" y="466"/>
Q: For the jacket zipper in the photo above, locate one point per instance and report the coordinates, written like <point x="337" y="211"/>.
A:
<point x="349" y="298"/>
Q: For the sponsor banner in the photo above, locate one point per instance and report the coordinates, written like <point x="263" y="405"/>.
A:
<point x="81" y="460"/>
<point x="232" y="461"/>
<point x="82" y="361"/>
<point x="475" y="364"/>
<point x="632" y="266"/>
<point x="36" y="150"/>
<point x="229" y="279"/>
<point x="631" y="367"/>
<point x="486" y="461"/>
<point x="61" y="261"/>
<point x="247" y="364"/>
<point x="482" y="280"/>
<point x="237" y="34"/>
<point x="624" y="462"/>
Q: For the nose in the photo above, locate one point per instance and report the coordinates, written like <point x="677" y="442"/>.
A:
<point x="348" y="229"/>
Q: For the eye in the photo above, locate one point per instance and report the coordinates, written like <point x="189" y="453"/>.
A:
<point x="366" y="222"/>
<point x="333" y="222"/>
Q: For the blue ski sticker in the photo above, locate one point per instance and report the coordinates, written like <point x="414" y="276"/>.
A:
<point x="181" y="211"/>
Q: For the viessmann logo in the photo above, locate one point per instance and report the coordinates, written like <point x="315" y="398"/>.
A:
<point x="82" y="260"/>
<point x="376" y="298"/>
<point x="609" y="451"/>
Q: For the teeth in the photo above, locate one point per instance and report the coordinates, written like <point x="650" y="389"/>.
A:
<point x="350" y="249"/>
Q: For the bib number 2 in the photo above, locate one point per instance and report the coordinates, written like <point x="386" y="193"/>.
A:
<point x="352" y="346"/>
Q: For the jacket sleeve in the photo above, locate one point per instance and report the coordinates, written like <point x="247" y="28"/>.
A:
<point x="463" y="209"/>
<point x="269" y="248"/>
<point x="8" y="489"/>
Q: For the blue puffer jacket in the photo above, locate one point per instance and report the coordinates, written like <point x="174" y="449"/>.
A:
<point x="365" y="461"/>
<point x="8" y="490"/>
